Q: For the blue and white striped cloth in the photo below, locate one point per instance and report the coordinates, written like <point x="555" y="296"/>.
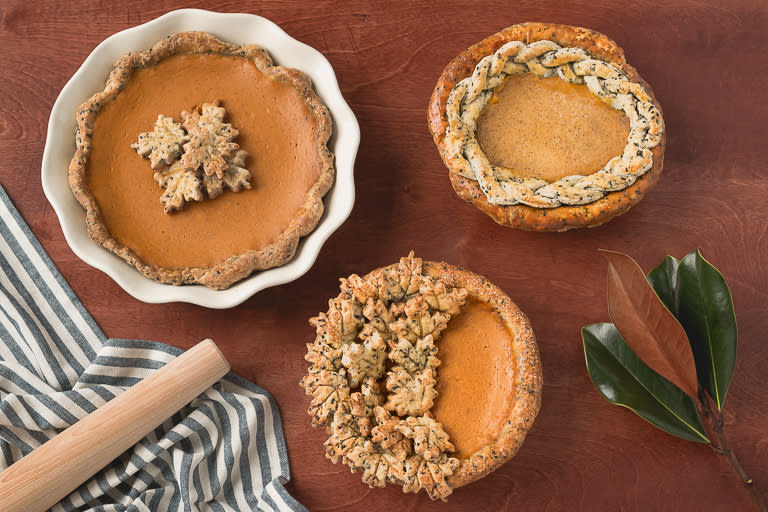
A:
<point x="225" y="451"/>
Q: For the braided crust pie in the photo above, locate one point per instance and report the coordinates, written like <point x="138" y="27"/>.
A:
<point x="471" y="83"/>
<point x="423" y="375"/>
<point x="188" y="204"/>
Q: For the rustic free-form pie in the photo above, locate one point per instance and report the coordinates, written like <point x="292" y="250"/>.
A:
<point x="219" y="237"/>
<point x="546" y="127"/>
<point x="423" y="375"/>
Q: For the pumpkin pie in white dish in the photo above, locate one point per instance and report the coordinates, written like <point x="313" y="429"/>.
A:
<point x="201" y="161"/>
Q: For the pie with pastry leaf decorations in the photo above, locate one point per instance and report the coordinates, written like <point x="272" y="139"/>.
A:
<point x="201" y="161"/>
<point x="546" y="127"/>
<point x="423" y="375"/>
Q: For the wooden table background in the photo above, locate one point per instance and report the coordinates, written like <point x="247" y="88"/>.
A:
<point x="708" y="65"/>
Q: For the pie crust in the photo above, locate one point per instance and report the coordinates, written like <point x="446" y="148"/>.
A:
<point x="525" y="363"/>
<point x="367" y="318"/>
<point x="575" y="55"/>
<point x="238" y="266"/>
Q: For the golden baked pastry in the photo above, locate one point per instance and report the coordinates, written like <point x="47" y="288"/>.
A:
<point x="423" y="375"/>
<point x="196" y="159"/>
<point x="280" y="162"/>
<point x="546" y="127"/>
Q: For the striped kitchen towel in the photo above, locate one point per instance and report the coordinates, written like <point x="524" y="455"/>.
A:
<point x="225" y="451"/>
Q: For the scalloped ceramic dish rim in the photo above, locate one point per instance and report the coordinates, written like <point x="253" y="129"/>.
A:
<point x="236" y="28"/>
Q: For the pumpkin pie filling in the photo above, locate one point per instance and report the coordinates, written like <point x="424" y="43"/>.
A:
<point x="424" y="375"/>
<point x="545" y="127"/>
<point x="475" y="379"/>
<point x="276" y="129"/>
<point x="548" y="128"/>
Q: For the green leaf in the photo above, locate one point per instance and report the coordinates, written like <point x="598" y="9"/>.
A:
<point x="623" y="379"/>
<point x="705" y="309"/>
<point x="663" y="279"/>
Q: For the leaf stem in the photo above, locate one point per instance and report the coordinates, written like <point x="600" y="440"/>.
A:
<point x="721" y="447"/>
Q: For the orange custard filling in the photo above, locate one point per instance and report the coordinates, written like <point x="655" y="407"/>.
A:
<point x="276" y="129"/>
<point x="475" y="379"/>
<point x="548" y="128"/>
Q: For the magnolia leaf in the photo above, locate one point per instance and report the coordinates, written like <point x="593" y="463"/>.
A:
<point x="705" y="309"/>
<point x="623" y="379"/>
<point x="663" y="279"/>
<point x="648" y="327"/>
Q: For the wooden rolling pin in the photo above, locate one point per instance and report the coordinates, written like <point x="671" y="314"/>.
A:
<point x="51" y="472"/>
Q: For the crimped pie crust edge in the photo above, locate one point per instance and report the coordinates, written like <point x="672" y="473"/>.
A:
<point x="237" y="267"/>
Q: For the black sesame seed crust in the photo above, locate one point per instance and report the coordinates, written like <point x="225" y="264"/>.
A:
<point x="523" y="362"/>
<point x="524" y="217"/>
<point x="526" y="363"/>
<point x="237" y="267"/>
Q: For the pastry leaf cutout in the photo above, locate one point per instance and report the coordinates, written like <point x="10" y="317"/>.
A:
<point x="623" y="379"/>
<point x="648" y="327"/>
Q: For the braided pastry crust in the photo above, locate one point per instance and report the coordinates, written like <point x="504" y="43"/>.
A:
<point x="575" y="55"/>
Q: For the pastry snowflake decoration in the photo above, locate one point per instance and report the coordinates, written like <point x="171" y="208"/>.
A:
<point x="372" y="377"/>
<point x="196" y="158"/>
<point x="547" y="59"/>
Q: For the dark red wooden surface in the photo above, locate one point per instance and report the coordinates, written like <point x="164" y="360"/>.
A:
<point x="708" y="66"/>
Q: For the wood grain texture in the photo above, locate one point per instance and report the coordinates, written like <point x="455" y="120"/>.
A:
<point x="707" y="65"/>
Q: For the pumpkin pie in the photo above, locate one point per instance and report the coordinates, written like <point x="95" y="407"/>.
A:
<point x="546" y="127"/>
<point x="201" y="161"/>
<point x="423" y="375"/>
